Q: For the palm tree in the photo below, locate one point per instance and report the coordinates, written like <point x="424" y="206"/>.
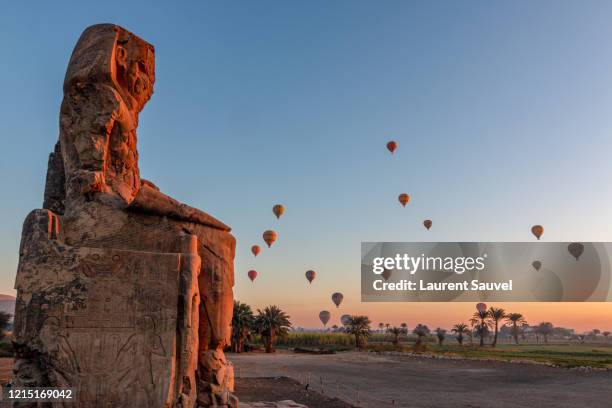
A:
<point x="605" y="334"/>
<point x="480" y="323"/>
<point x="404" y="326"/>
<point x="460" y="329"/>
<point x="441" y="334"/>
<point x="514" y="320"/>
<point x="396" y="332"/>
<point x="381" y="326"/>
<point x="495" y="315"/>
<point x="242" y="321"/>
<point x="545" y="329"/>
<point x="270" y="322"/>
<point x="421" y="331"/>
<point x="359" y="326"/>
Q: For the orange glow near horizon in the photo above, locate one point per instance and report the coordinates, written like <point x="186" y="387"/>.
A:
<point x="581" y="317"/>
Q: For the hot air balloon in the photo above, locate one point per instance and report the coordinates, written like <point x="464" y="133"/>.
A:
<point x="252" y="275"/>
<point x="481" y="307"/>
<point x="337" y="298"/>
<point x="269" y="236"/>
<point x="427" y="224"/>
<point x="391" y="146"/>
<point x="310" y="275"/>
<point x="386" y="274"/>
<point x="403" y="199"/>
<point x="576" y="249"/>
<point x="278" y="210"/>
<point x="537" y="230"/>
<point x="324" y="316"/>
<point x="345" y="319"/>
<point x="255" y="249"/>
<point x="537" y="265"/>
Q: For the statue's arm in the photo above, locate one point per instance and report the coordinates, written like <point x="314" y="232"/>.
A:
<point x="150" y="200"/>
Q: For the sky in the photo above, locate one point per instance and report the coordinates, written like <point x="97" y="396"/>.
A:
<point x="502" y="112"/>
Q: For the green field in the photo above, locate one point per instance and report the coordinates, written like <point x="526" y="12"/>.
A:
<point x="597" y="355"/>
<point x="563" y="355"/>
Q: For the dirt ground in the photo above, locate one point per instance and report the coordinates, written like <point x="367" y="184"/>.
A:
<point x="248" y="389"/>
<point x="282" y="388"/>
<point x="372" y="380"/>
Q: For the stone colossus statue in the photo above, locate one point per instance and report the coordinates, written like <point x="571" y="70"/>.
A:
<point x="123" y="292"/>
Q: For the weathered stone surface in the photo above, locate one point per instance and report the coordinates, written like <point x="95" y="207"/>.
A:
<point x="122" y="291"/>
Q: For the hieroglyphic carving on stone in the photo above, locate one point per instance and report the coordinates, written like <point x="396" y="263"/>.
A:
<point x="107" y="323"/>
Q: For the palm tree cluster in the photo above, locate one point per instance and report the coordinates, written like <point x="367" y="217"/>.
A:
<point x="359" y="326"/>
<point x="242" y="324"/>
<point x="485" y="321"/>
<point x="397" y="332"/>
<point x="421" y="331"/>
<point x="272" y="322"/>
<point x="461" y="329"/>
<point x="269" y="323"/>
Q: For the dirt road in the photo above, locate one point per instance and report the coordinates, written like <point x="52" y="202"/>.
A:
<point x="375" y="380"/>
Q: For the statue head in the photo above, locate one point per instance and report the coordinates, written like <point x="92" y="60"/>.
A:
<point x="109" y="54"/>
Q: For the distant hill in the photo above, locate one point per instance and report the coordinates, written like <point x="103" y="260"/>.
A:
<point x="7" y="304"/>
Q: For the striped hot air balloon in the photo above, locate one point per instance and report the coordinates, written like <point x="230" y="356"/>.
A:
<point x="269" y="237"/>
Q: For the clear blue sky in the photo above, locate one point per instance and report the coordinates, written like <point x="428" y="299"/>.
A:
<point x="502" y="111"/>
